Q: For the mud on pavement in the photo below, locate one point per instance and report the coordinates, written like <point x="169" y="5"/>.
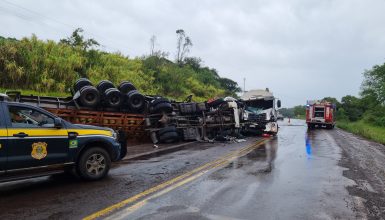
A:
<point x="365" y="161"/>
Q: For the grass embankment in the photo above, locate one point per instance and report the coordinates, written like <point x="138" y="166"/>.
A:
<point x="363" y="129"/>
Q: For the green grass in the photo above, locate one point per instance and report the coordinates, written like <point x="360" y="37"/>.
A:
<point x="363" y="129"/>
<point x="32" y="92"/>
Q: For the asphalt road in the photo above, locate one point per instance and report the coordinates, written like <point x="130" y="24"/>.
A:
<point x="300" y="174"/>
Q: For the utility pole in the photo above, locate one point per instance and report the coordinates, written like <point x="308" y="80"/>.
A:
<point x="244" y="85"/>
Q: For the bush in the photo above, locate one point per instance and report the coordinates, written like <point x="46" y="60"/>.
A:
<point x="341" y="115"/>
<point x="375" y="116"/>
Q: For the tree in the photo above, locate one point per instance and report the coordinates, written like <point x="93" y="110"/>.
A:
<point x="287" y="112"/>
<point x="299" y="111"/>
<point x="194" y="62"/>
<point x="230" y="86"/>
<point x="183" y="46"/>
<point x="374" y="84"/>
<point x="352" y="107"/>
<point x="153" y="51"/>
<point x="77" y="40"/>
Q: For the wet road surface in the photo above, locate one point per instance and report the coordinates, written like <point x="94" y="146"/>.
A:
<point x="293" y="176"/>
<point x="296" y="175"/>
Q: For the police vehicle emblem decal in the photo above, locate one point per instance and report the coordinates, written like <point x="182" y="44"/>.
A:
<point x="39" y="150"/>
<point x="73" y="143"/>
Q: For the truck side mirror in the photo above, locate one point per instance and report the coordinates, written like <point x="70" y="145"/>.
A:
<point x="279" y="103"/>
<point x="57" y="123"/>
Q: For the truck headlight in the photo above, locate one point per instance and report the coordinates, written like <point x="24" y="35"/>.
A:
<point x="114" y="135"/>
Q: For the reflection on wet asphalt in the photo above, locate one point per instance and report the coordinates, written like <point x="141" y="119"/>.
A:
<point x="292" y="176"/>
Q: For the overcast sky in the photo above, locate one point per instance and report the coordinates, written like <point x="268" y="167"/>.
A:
<point x="300" y="49"/>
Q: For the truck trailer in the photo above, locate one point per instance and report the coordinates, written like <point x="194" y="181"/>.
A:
<point x="140" y="118"/>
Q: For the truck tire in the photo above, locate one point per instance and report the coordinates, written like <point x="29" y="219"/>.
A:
<point x="104" y="85"/>
<point x="166" y="129"/>
<point x="80" y="83"/>
<point x="158" y="101"/>
<point x="113" y="97"/>
<point x="165" y="107"/>
<point x="136" y="101"/>
<point x="125" y="87"/>
<point x="93" y="164"/>
<point x="169" y="137"/>
<point x="89" y="96"/>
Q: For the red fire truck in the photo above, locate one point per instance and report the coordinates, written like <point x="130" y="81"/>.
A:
<point x="320" y="114"/>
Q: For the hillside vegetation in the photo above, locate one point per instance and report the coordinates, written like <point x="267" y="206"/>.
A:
<point x="49" y="67"/>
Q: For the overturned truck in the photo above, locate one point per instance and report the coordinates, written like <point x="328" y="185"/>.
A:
<point x="205" y="121"/>
<point x="139" y="118"/>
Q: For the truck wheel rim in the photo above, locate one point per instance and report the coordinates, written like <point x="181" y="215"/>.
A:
<point x="90" y="97"/>
<point x="115" y="99"/>
<point x="96" y="164"/>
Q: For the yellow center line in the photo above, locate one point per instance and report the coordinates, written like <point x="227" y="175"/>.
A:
<point x="187" y="177"/>
<point x="127" y="211"/>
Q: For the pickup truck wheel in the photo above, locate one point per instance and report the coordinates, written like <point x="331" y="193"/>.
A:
<point x="94" y="164"/>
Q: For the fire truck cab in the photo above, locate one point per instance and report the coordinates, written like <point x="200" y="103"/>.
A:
<point x="320" y="114"/>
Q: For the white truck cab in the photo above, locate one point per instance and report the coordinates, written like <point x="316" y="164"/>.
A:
<point x="261" y="111"/>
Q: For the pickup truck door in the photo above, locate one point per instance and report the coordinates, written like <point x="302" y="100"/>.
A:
<point x="33" y="139"/>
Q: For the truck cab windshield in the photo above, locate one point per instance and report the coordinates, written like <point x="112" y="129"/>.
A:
<point x="259" y="104"/>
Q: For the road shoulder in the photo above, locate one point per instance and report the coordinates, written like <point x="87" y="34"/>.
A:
<point x="365" y="161"/>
